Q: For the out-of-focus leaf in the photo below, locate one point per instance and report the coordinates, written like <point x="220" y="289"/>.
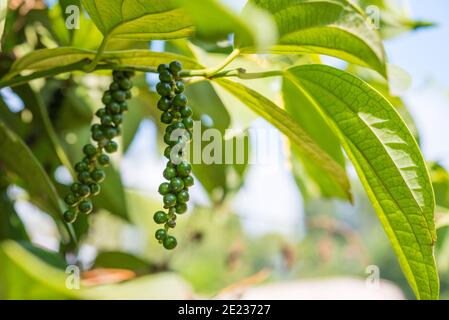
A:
<point x="288" y="126"/>
<point x="214" y="21"/>
<point x="11" y="227"/>
<point x="50" y="58"/>
<point x="121" y="260"/>
<point x="19" y="161"/>
<point x="388" y="162"/>
<point x="3" y="11"/>
<point x="333" y="27"/>
<point x="305" y="114"/>
<point x="142" y="20"/>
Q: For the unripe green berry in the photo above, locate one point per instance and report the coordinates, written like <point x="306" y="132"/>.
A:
<point x="86" y="206"/>
<point x="189" y="181"/>
<point x="167" y="152"/>
<point x="98" y="135"/>
<point x="176" y="184"/>
<point x="179" y="101"/>
<point x="171" y="223"/>
<point x="71" y="199"/>
<point x="107" y="98"/>
<point x="106" y="120"/>
<point x="167" y="117"/>
<point x="175" y="67"/>
<point x="163" y="104"/>
<point x="170" y="242"/>
<point x="84" y="191"/>
<point x="119" y="95"/>
<point x="128" y="94"/>
<point x="81" y="166"/>
<point x="103" y="160"/>
<point x="123" y="106"/>
<point x="183" y="169"/>
<point x="101" y="112"/>
<point x="89" y="150"/>
<point x="111" y="147"/>
<point x="70" y="216"/>
<point x="169" y="173"/>
<point x="185" y="112"/>
<point x="162" y="67"/>
<point x="114" y="86"/>
<point x="165" y="76"/>
<point x="164" y="89"/>
<point x="181" y="208"/>
<point x="98" y="175"/>
<point x="75" y="187"/>
<point x="113" y="107"/>
<point x="169" y="200"/>
<point x="84" y="177"/>
<point x="164" y="188"/>
<point x="160" y="234"/>
<point x="188" y="123"/>
<point x="125" y="84"/>
<point x="95" y="127"/>
<point x="160" y="217"/>
<point x="117" y="119"/>
<point x="110" y="132"/>
<point x="183" y="196"/>
<point x="94" y="189"/>
<point x="179" y="87"/>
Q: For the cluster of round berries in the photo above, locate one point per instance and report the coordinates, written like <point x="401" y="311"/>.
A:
<point x="90" y="169"/>
<point x="177" y="115"/>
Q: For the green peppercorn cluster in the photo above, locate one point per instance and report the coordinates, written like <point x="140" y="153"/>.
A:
<point x="177" y="116"/>
<point x="90" y="170"/>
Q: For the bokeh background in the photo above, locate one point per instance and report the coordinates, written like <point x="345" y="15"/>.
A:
<point x="265" y="241"/>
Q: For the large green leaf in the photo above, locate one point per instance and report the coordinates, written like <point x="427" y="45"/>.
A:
<point x="213" y="20"/>
<point x="388" y="161"/>
<point x="314" y="180"/>
<point x="139" y="19"/>
<point x="3" y="10"/>
<point x="331" y="27"/>
<point x="18" y="160"/>
<point x="288" y="126"/>
<point x="50" y="58"/>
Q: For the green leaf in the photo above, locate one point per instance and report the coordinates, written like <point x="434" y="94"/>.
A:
<point x="331" y="27"/>
<point x="121" y="260"/>
<point x="18" y="160"/>
<point x="305" y="114"/>
<point x="139" y="19"/>
<point x="3" y="10"/>
<point x="214" y="21"/>
<point x="388" y="162"/>
<point x="288" y="126"/>
<point x="50" y="58"/>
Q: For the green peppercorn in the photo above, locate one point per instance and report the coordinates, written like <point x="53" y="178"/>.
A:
<point x="183" y="196"/>
<point x="167" y="117"/>
<point x="117" y="119"/>
<point x="179" y="101"/>
<point x="103" y="159"/>
<point x="186" y="112"/>
<point x="89" y="150"/>
<point x="107" y="98"/>
<point x="188" y="123"/>
<point x="170" y="242"/>
<point x="164" y="89"/>
<point x="114" y="86"/>
<point x="111" y="146"/>
<point x="84" y="191"/>
<point x="181" y="208"/>
<point x="165" y="76"/>
<point x="183" y="169"/>
<point x="81" y="166"/>
<point x="128" y="94"/>
<point x="101" y="112"/>
<point x="160" y="234"/>
<point x="167" y="152"/>
<point x="176" y="184"/>
<point x="119" y="95"/>
<point x="113" y="107"/>
<point x="98" y="135"/>
<point x="117" y="75"/>
<point x="110" y="132"/>
<point x="84" y="177"/>
<point x="179" y="87"/>
<point x="163" y="104"/>
<point x="98" y="175"/>
<point x="160" y="217"/>
<point x="175" y="67"/>
<point x="169" y="200"/>
<point x="171" y="223"/>
<point x="189" y="181"/>
<point x="123" y="106"/>
<point x="75" y="187"/>
<point x="86" y="206"/>
<point x="169" y="173"/>
<point x="95" y="127"/>
<point x="164" y="188"/>
<point x="70" y="216"/>
<point x="125" y="84"/>
<point x="71" y="199"/>
<point x="106" y="120"/>
<point x="94" y="189"/>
